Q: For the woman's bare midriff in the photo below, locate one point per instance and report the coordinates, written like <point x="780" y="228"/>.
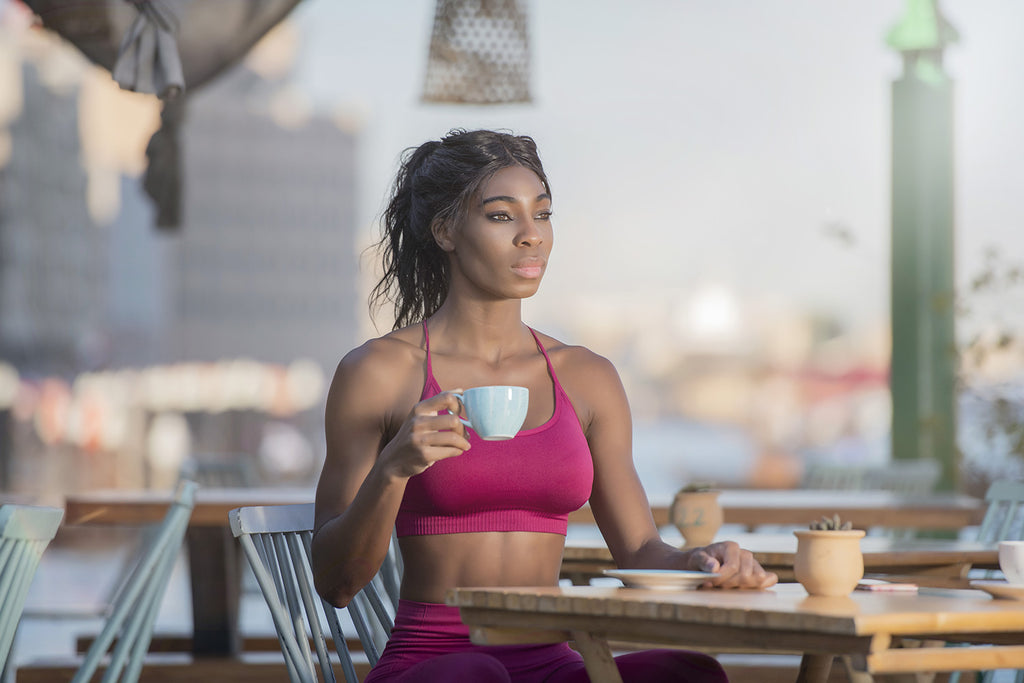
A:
<point x="433" y="564"/>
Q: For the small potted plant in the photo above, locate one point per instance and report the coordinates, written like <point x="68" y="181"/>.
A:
<point x="696" y="512"/>
<point x="828" y="557"/>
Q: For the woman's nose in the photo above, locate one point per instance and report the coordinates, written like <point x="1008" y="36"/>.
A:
<point x="530" y="235"/>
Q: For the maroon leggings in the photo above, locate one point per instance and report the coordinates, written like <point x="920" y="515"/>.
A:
<point x="430" y="643"/>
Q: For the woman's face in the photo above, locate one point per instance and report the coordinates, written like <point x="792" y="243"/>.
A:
<point x="502" y="246"/>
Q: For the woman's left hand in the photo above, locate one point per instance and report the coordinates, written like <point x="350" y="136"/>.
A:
<point x="736" y="567"/>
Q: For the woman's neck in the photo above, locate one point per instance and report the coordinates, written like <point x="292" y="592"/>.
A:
<point x="486" y="334"/>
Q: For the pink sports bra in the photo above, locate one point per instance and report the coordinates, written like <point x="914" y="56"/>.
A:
<point x="529" y="483"/>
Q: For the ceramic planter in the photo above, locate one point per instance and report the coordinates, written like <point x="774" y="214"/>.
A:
<point x="828" y="562"/>
<point x="697" y="515"/>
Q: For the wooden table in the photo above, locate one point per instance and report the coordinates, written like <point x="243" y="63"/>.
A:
<point x="866" y="509"/>
<point x="866" y="629"/>
<point x="214" y="559"/>
<point x="927" y="561"/>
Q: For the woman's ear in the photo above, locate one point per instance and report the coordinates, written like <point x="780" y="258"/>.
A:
<point x="441" y="229"/>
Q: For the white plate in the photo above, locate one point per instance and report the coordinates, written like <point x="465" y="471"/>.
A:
<point x="659" y="579"/>
<point x="1000" y="589"/>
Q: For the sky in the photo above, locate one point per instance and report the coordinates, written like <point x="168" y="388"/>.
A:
<point x="701" y="143"/>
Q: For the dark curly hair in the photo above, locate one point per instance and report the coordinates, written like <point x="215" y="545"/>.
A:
<point x="436" y="182"/>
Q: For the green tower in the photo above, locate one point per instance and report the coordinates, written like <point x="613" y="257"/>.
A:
<point x="924" y="355"/>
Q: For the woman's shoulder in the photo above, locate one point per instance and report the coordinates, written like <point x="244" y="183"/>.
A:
<point x="574" y="358"/>
<point x="388" y="360"/>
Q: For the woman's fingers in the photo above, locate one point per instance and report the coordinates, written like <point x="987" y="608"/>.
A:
<point x="442" y="431"/>
<point x="434" y="430"/>
<point x="446" y="400"/>
<point x="738" y="568"/>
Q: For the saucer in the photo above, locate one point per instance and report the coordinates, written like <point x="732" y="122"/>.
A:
<point x="660" y="579"/>
<point x="1000" y="589"/>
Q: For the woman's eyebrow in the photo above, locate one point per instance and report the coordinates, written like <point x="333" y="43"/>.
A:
<point x="505" y="198"/>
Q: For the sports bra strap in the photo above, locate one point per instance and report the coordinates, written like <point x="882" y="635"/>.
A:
<point x="551" y="368"/>
<point x="426" y="344"/>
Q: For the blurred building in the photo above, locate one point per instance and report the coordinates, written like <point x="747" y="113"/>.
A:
<point x="52" y="254"/>
<point x="266" y="260"/>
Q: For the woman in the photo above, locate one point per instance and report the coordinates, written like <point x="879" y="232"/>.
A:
<point x="467" y="237"/>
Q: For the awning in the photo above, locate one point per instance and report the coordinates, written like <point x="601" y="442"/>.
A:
<point x="167" y="48"/>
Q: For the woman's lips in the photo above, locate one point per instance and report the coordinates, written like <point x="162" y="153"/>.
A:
<point x="530" y="271"/>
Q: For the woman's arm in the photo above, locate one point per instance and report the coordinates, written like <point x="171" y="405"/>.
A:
<point x="366" y="469"/>
<point x="618" y="500"/>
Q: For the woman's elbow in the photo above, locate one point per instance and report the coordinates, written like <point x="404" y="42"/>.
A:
<point x="338" y="579"/>
<point x="334" y="592"/>
<point x="339" y="584"/>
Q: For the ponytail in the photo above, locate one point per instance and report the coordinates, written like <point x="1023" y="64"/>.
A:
<point x="418" y="283"/>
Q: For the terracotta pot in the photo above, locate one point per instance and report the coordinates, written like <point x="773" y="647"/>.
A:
<point x="697" y="515"/>
<point x="828" y="563"/>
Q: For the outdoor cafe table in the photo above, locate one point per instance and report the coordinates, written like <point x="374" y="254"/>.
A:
<point x="926" y="561"/>
<point x="214" y="560"/>
<point x="865" y="509"/>
<point x="866" y="628"/>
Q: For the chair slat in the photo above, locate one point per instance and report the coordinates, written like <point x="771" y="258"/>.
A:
<point x="25" y="532"/>
<point x="296" y="553"/>
<point x="1002" y="519"/>
<point x="134" y="612"/>
<point x="282" y="624"/>
<point x="284" y="574"/>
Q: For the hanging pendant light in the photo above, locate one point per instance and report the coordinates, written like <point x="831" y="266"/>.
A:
<point x="479" y="53"/>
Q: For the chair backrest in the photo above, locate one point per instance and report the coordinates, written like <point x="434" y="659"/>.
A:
<point x="25" y="531"/>
<point x="221" y="470"/>
<point x="276" y="541"/>
<point x="1003" y="519"/>
<point x="134" y="611"/>
<point x="903" y="476"/>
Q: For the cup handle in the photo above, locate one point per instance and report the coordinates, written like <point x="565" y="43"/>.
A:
<point x="458" y="397"/>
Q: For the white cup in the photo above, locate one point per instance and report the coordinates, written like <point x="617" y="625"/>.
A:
<point x="495" y="413"/>
<point x="1011" y="561"/>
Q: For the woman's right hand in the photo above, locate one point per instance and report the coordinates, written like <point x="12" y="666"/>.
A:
<point x="426" y="436"/>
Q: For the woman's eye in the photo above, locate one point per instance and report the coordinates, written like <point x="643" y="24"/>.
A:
<point x="544" y="216"/>
<point x="499" y="217"/>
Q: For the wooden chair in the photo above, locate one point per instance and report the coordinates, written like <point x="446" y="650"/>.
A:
<point x="25" y="531"/>
<point x="276" y="541"/>
<point x="134" y="611"/>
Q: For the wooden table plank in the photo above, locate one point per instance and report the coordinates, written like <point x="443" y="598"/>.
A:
<point x="137" y="507"/>
<point x="864" y="626"/>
